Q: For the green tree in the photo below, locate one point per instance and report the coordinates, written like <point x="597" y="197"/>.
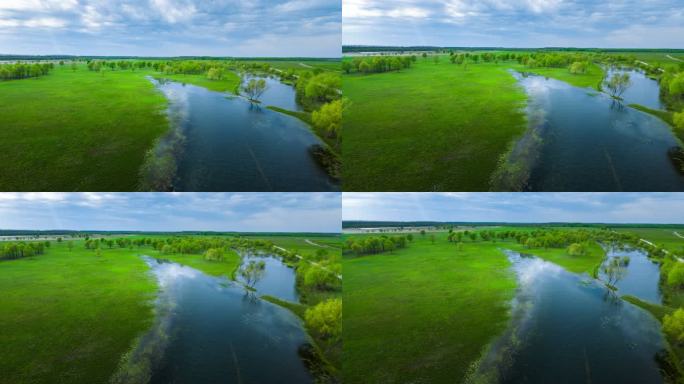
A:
<point x="673" y="325"/>
<point x="326" y="318"/>
<point x="253" y="272"/>
<point x="675" y="277"/>
<point x="346" y="66"/>
<point x="254" y="89"/>
<point x="618" y="84"/>
<point x="329" y="118"/>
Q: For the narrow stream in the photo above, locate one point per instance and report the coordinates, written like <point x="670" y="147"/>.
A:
<point x="582" y="140"/>
<point x="567" y="328"/>
<point x="212" y="330"/>
<point x="221" y="142"/>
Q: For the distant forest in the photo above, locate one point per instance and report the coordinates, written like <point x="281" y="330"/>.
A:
<point x="73" y="57"/>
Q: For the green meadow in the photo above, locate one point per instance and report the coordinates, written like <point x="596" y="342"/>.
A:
<point x="78" y="130"/>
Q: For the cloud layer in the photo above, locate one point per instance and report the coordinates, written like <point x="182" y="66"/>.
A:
<point x="516" y="207"/>
<point x="171" y="27"/>
<point x="244" y="212"/>
<point x="515" y="23"/>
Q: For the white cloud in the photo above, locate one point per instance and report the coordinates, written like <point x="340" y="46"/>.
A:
<point x="174" y="11"/>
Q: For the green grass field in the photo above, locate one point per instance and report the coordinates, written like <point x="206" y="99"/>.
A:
<point x="68" y="316"/>
<point x="436" y="127"/>
<point x="424" y="313"/>
<point x="77" y="131"/>
<point x="224" y="268"/>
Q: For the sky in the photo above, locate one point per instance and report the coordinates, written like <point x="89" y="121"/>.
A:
<point x="239" y="28"/>
<point x="242" y="212"/>
<point x="654" y="208"/>
<point x="515" y="23"/>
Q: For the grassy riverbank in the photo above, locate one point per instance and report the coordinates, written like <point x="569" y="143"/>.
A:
<point x="77" y="130"/>
<point x="430" y="127"/>
<point x="226" y="267"/>
<point x="69" y="316"/>
<point x="229" y="83"/>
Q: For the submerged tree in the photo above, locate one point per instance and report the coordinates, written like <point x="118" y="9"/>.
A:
<point x="618" y="84"/>
<point x="254" y="89"/>
<point x="253" y="272"/>
<point x="614" y="270"/>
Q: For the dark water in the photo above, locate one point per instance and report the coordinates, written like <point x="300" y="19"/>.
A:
<point x="643" y="91"/>
<point x="582" y="140"/>
<point x="218" y="333"/>
<point x="230" y="144"/>
<point x="567" y="328"/>
<point x="641" y="278"/>
<point x="278" y="279"/>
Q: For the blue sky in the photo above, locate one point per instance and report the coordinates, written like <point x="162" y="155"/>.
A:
<point x="171" y="27"/>
<point x="515" y="23"/>
<point x="516" y="207"/>
<point x="245" y="212"/>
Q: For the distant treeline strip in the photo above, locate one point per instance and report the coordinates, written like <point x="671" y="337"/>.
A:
<point x="69" y="57"/>
<point x="445" y="224"/>
<point x="370" y="48"/>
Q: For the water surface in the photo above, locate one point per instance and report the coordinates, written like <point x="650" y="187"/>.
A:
<point x="278" y="279"/>
<point x="567" y="328"/>
<point x="643" y="90"/>
<point x="230" y="144"/>
<point x="642" y="275"/>
<point x="218" y="332"/>
<point x="582" y="140"/>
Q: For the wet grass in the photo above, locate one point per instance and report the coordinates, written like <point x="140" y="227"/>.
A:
<point x="77" y="131"/>
<point x="69" y="316"/>
<point x="588" y="263"/>
<point x="230" y="82"/>
<point x="226" y="268"/>
<point x="591" y="79"/>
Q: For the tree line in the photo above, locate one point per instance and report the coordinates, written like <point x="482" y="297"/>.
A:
<point x="24" y="71"/>
<point x="376" y="244"/>
<point x="378" y="64"/>
<point x="18" y="250"/>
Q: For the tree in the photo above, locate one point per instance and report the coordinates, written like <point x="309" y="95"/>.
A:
<point x="576" y="249"/>
<point x="432" y="238"/>
<point x="678" y="119"/>
<point x="675" y="277"/>
<point x="424" y="55"/>
<point x="618" y="84"/>
<point x="167" y="249"/>
<point x="254" y="89"/>
<point x="329" y="117"/>
<point x="614" y="270"/>
<point x="74" y="66"/>
<point x="435" y="59"/>
<point x="422" y="232"/>
<point x="578" y="67"/>
<point x="673" y="325"/>
<point x="409" y="237"/>
<point x="214" y="254"/>
<point x="346" y="66"/>
<point x="253" y="272"/>
<point x="215" y="74"/>
<point x="70" y="245"/>
<point x="326" y="318"/>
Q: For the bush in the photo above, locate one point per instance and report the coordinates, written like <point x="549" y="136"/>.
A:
<point x="676" y="275"/>
<point x="326" y="318"/>
<point x="673" y="325"/>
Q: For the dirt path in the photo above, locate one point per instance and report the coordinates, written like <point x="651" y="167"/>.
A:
<point x="315" y="244"/>
<point x="674" y="58"/>
<point x="678" y="235"/>
<point x="310" y="262"/>
<point x="305" y="65"/>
